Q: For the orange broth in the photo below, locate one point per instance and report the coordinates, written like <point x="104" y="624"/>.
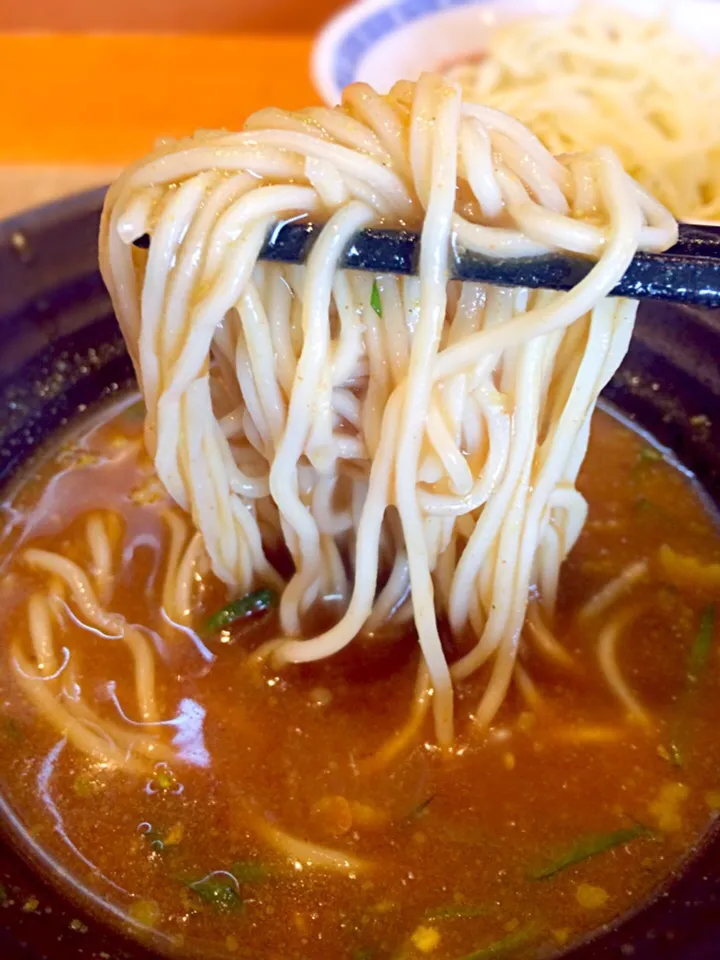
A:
<point x="560" y="819"/>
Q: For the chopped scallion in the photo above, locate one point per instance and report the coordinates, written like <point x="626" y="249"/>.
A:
<point x="249" y="871"/>
<point x="375" y="301"/>
<point x="420" y="811"/>
<point x="588" y="847"/>
<point x="697" y="661"/>
<point x="645" y="506"/>
<point x="154" y="837"/>
<point x="259" y="601"/>
<point x="219" y="889"/>
<point x="701" y="645"/>
<point x="498" y="947"/>
<point x="455" y="911"/>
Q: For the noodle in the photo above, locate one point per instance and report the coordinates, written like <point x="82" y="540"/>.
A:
<point x="601" y="601"/>
<point x="544" y="640"/>
<point x="40" y="630"/>
<point x="61" y="704"/>
<point x="304" y="854"/>
<point x="527" y="687"/>
<point x="607" y="657"/>
<point x="59" y="716"/>
<point x="144" y="659"/>
<point x="602" y="76"/>
<point x="101" y="548"/>
<point x="183" y="557"/>
<point x="404" y="737"/>
<point x="402" y="432"/>
<point x="185" y="573"/>
<point x="79" y="585"/>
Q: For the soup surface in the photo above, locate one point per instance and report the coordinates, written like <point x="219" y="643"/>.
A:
<point x="222" y="809"/>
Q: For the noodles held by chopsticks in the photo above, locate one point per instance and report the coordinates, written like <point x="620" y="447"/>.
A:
<point x="408" y="432"/>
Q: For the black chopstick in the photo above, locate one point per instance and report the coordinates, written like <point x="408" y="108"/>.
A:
<point x="687" y="273"/>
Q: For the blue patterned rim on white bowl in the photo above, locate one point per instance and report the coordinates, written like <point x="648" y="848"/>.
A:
<point x="381" y="41"/>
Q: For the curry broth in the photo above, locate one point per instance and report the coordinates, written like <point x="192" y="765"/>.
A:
<point x="461" y="857"/>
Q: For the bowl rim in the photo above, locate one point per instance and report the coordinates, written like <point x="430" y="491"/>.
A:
<point x="347" y="25"/>
<point x="321" y="55"/>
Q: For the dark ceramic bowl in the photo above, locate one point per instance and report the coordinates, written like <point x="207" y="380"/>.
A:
<point x="61" y="350"/>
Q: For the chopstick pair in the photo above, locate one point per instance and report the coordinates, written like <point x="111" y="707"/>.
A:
<point x="688" y="272"/>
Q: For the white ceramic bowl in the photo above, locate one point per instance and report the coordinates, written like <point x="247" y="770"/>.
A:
<point x="381" y="41"/>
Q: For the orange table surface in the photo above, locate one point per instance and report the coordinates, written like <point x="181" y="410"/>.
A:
<point x="79" y="99"/>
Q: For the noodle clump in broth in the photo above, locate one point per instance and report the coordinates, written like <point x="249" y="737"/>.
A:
<point x="600" y="75"/>
<point x="413" y="443"/>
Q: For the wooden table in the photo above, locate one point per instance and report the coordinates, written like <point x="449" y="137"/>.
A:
<point x="75" y="108"/>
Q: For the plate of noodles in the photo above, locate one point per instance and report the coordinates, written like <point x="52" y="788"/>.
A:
<point x="642" y="78"/>
<point x="350" y="616"/>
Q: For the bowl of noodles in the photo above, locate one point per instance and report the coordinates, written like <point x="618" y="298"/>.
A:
<point x="642" y="78"/>
<point x="348" y="615"/>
